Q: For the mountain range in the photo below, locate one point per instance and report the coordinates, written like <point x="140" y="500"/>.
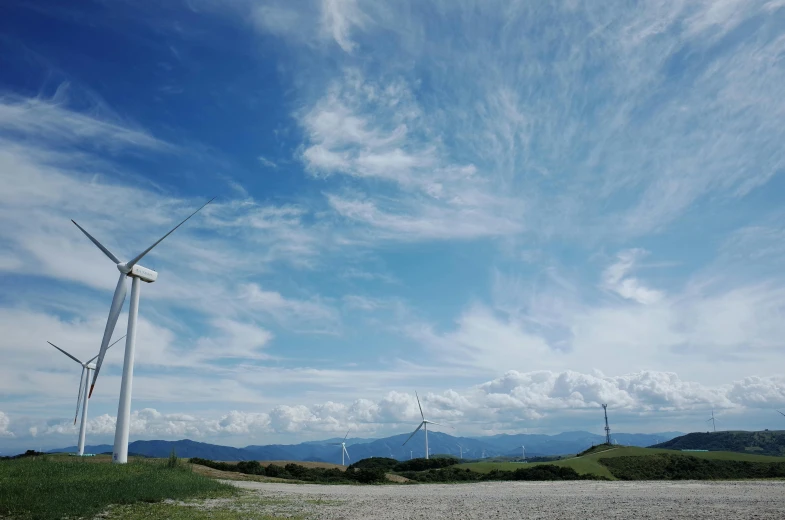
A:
<point x="359" y="448"/>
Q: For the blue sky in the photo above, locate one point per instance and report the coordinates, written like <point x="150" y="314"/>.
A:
<point x="520" y="210"/>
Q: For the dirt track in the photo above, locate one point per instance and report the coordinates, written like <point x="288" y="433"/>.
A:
<point x="540" y="500"/>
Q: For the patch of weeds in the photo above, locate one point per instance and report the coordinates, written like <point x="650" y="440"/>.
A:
<point x="185" y="511"/>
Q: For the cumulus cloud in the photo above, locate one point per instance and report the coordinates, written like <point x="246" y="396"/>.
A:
<point x="5" y="421"/>
<point x="507" y="401"/>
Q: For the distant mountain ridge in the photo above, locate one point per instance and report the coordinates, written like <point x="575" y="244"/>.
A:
<point x="439" y="443"/>
<point x="767" y="442"/>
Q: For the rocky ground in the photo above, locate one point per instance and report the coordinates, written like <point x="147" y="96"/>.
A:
<point x="530" y="500"/>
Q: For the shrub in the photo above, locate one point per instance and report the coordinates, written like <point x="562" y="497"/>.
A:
<point x="275" y="471"/>
<point x="251" y="467"/>
<point x="368" y="476"/>
<point x="384" y="463"/>
<point x="666" y="466"/>
<point x="424" y="464"/>
<point x="173" y="461"/>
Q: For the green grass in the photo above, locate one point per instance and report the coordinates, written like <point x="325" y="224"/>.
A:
<point x="589" y="464"/>
<point x="244" y="507"/>
<point x="52" y="487"/>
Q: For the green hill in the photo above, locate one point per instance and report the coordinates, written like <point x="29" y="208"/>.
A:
<point x="591" y="462"/>
<point x="761" y="443"/>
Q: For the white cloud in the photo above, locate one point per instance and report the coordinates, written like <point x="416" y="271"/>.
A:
<point x="5" y="421"/>
<point x="51" y="121"/>
<point x="376" y="132"/>
<point x="507" y="401"/>
<point x="339" y="18"/>
<point x="616" y="278"/>
<point x="298" y="314"/>
<point x="267" y="162"/>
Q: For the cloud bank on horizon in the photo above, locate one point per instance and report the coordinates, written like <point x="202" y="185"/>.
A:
<point x="520" y="210"/>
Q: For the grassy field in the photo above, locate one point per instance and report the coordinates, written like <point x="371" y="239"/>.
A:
<point x="589" y="464"/>
<point x="54" y="486"/>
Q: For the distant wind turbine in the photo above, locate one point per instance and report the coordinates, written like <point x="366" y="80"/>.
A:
<point x="342" y="444"/>
<point x="130" y="269"/>
<point x="714" y="424"/>
<point x="81" y="397"/>
<point x="460" y="448"/>
<point x="523" y="448"/>
<point x="424" y="424"/>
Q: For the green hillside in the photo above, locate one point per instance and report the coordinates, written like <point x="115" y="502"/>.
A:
<point x="590" y="463"/>
<point x="763" y="443"/>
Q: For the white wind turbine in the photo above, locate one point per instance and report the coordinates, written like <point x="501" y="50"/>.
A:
<point x="342" y="444"/>
<point x="460" y="448"/>
<point x="424" y="424"/>
<point x="81" y="397"/>
<point x="523" y="448"/>
<point x="136" y="272"/>
<point x="712" y="421"/>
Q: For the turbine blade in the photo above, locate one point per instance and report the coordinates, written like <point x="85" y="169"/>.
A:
<point x="98" y="244"/>
<point x="107" y="348"/>
<point x="412" y="435"/>
<point x="64" y="352"/>
<point x="79" y="395"/>
<point x="418" y="404"/>
<point x="141" y="255"/>
<point x="347" y="434"/>
<point x="431" y="422"/>
<point x="783" y="414"/>
<point x="347" y="453"/>
<point x="114" y="313"/>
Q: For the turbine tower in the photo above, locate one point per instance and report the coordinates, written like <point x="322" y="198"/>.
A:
<point x="130" y="269"/>
<point x="81" y="397"/>
<point x="607" y="428"/>
<point x="343" y="448"/>
<point x="711" y="420"/>
<point x="423" y="424"/>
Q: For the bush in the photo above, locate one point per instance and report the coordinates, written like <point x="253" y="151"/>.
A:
<point x="666" y="466"/>
<point x="535" y="473"/>
<point x="296" y="472"/>
<point x="173" y="461"/>
<point x="250" y="467"/>
<point x="425" y="464"/>
<point x="368" y="476"/>
<point x="275" y="471"/>
<point x="385" y="463"/>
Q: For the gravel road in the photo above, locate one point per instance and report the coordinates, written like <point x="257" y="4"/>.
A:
<point x="530" y="500"/>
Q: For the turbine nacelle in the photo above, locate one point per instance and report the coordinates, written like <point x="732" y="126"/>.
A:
<point x="138" y="271"/>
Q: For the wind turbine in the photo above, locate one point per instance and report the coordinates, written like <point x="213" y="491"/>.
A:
<point x="523" y="448"/>
<point x="130" y="269"/>
<point x="712" y="421"/>
<point x="424" y="424"/>
<point x="81" y="397"/>
<point x="343" y="448"/>
<point x="461" y="448"/>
